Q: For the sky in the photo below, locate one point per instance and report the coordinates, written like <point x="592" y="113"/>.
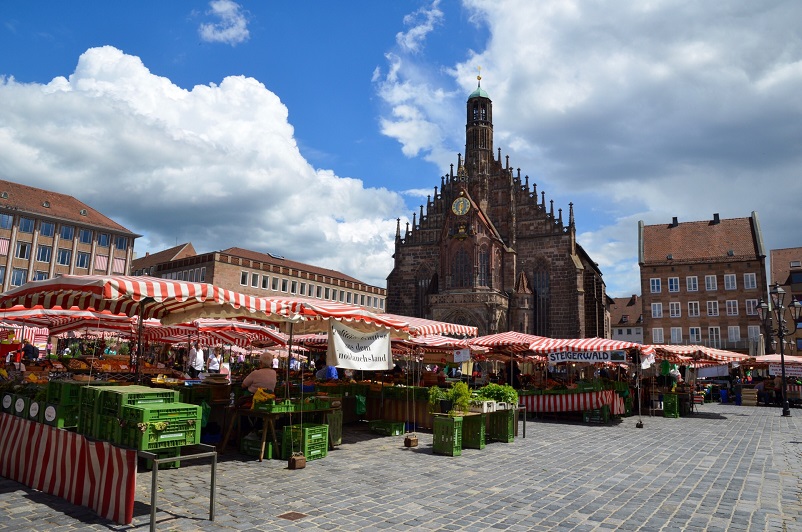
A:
<point x="307" y="129"/>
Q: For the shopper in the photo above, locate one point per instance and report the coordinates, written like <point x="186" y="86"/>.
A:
<point x="213" y="365"/>
<point x="196" y="360"/>
<point x="264" y="377"/>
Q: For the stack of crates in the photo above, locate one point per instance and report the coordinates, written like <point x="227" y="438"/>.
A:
<point x="62" y="404"/>
<point x="473" y="431"/>
<point x="447" y="436"/>
<point x="312" y="439"/>
<point x="501" y="425"/>
<point x="159" y="426"/>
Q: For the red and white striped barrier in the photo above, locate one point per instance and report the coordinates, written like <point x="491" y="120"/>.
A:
<point x="574" y="402"/>
<point x="94" y="474"/>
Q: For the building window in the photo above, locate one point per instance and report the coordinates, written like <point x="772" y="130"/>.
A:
<point x="265" y="282"/>
<point x="629" y="331"/>
<point x="710" y="283"/>
<point x="23" y="250"/>
<point x="692" y="283"/>
<point x="342" y="296"/>
<point x="243" y="278"/>
<point x="103" y="240"/>
<point x="67" y="232"/>
<point x="733" y="333"/>
<point x="348" y="297"/>
<point x="673" y="284"/>
<point x="202" y="274"/>
<point x="121" y="242"/>
<point x="64" y="256"/>
<point x="255" y="280"/>
<point x="674" y="309"/>
<point x="753" y="332"/>
<point x="85" y="236"/>
<point x="657" y="335"/>
<point x="751" y="307"/>
<point x="732" y="307"/>
<point x="676" y="335"/>
<point x="461" y="270"/>
<point x="25" y="226"/>
<point x="362" y="300"/>
<point x="693" y="309"/>
<point x="654" y="286"/>
<point x="712" y="308"/>
<point x="695" y="335"/>
<point x="82" y="259"/>
<point x="750" y="281"/>
<point x="39" y="276"/>
<point x="484" y="268"/>
<point x="318" y="292"/>
<point x="657" y="310"/>
<point x="2" y="274"/>
<point x="274" y="284"/>
<point x="44" y="253"/>
<point x="284" y="285"/>
<point x="303" y="289"/>
<point x="729" y="282"/>
<point x="294" y="287"/>
<point x="542" y="289"/>
<point x="19" y="277"/>
<point x="47" y="229"/>
<point x="6" y="221"/>
<point x="714" y="336"/>
<point x="326" y="293"/>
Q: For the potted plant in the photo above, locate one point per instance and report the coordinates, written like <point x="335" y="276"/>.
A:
<point x="460" y="396"/>
<point x="438" y="399"/>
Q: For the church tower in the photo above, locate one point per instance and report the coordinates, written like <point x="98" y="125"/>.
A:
<point x="479" y="142"/>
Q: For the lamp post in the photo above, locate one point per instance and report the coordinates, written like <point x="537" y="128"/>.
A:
<point x="777" y="308"/>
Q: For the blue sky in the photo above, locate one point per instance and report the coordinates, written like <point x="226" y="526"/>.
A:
<point x="307" y="128"/>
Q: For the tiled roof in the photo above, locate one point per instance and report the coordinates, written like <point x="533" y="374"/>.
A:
<point x="781" y="263"/>
<point x="178" y="252"/>
<point x="280" y="261"/>
<point x="704" y="241"/>
<point x="25" y="199"/>
<point x="631" y="307"/>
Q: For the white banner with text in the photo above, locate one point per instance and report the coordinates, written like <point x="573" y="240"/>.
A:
<point x="792" y="370"/>
<point x="351" y="349"/>
<point x="587" y="356"/>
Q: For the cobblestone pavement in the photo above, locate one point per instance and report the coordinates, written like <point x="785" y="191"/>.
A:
<point x="725" y="468"/>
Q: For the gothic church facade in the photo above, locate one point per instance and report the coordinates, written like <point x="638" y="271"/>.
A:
<point x="488" y="251"/>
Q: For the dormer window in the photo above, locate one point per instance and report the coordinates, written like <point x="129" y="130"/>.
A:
<point x="625" y="319"/>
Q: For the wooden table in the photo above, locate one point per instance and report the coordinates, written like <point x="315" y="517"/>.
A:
<point x="268" y="419"/>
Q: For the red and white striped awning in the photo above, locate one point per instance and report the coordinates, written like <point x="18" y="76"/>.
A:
<point x="315" y="312"/>
<point x="699" y="353"/>
<point x="588" y="344"/>
<point x="510" y="341"/>
<point x="424" y="327"/>
<point x="149" y="297"/>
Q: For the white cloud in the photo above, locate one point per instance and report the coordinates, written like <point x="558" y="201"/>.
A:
<point x="216" y="165"/>
<point x="650" y="111"/>
<point x="231" y="26"/>
<point x="422" y="22"/>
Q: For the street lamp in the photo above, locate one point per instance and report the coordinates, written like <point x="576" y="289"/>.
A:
<point x="783" y="329"/>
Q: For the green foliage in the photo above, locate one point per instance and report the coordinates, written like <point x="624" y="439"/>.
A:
<point x="436" y="394"/>
<point x="460" y="396"/>
<point x="124" y="349"/>
<point x="499" y="393"/>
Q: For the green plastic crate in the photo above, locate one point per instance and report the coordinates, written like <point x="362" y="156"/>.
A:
<point x="196" y="393"/>
<point x="598" y="415"/>
<point x="106" y="428"/>
<point x="310" y="438"/>
<point x="148" y="437"/>
<point x="112" y="400"/>
<point x="21" y="403"/>
<point x="173" y="452"/>
<point x="87" y="420"/>
<point x="60" y="416"/>
<point x="160" y="412"/>
<point x="387" y="428"/>
<point x="447" y="435"/>
<point x="335" y="422"/>
<point x="8" y="402"/>
<point x="473" y="431"/>
<point x="501" y="425"/>
<point x="275" y="407"/>
<point x="251" y="445"/>
<point x="35" y="410"/>
<point x="670" y="405"/>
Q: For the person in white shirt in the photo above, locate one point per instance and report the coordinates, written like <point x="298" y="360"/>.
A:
<point x="196" y="360"/>
<point x="213" y="365"/>
<point x="275" y="362"/>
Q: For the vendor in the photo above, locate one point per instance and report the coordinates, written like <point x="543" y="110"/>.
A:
<point x="324" y="372"/>
<point x="264" y="378"/>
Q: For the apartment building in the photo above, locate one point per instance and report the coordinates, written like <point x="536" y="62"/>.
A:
<point x="786" y="269"/>
<point x="701" y="282"/>
<point x="261" y="274"/>
<point x="626" y="319"/>
<point x="44" y="234"/>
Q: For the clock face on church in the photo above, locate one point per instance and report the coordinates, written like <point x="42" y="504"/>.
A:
<point x="460" y="206"/>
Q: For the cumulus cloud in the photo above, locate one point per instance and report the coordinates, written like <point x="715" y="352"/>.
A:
<point x="231" y="26"/>
<point x="651" y="110"/>
<point x="422" y="22"/>
<point x="216" y="165"/>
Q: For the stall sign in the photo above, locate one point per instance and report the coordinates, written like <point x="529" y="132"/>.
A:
<point x="462" y="355"/>
<point x="793" y="370"/>
<point x="588" y="356"/>
<point x="352" y="349"/>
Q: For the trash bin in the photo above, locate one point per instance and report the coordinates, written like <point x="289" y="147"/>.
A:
<point x="724" y="395"/>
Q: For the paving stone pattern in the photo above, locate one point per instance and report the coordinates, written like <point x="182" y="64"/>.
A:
<point x="725" y="468"/>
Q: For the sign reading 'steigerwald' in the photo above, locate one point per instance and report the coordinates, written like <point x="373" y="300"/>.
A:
<point x="588" y="356"/>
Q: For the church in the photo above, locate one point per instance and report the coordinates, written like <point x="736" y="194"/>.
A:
<point x="488" y="250"/>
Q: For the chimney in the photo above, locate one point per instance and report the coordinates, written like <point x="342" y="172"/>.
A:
<point x="674" y="222"/>
<point x="633" y="299"/>
<point x="716" y="219"/>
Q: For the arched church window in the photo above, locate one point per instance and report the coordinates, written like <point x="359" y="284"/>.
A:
<point x="542" y="303"/>
<point x="484" y="113"/>
<point x="475" y="112"/>
<point x="484" y="268"/>
<point x="461" y="270"/>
